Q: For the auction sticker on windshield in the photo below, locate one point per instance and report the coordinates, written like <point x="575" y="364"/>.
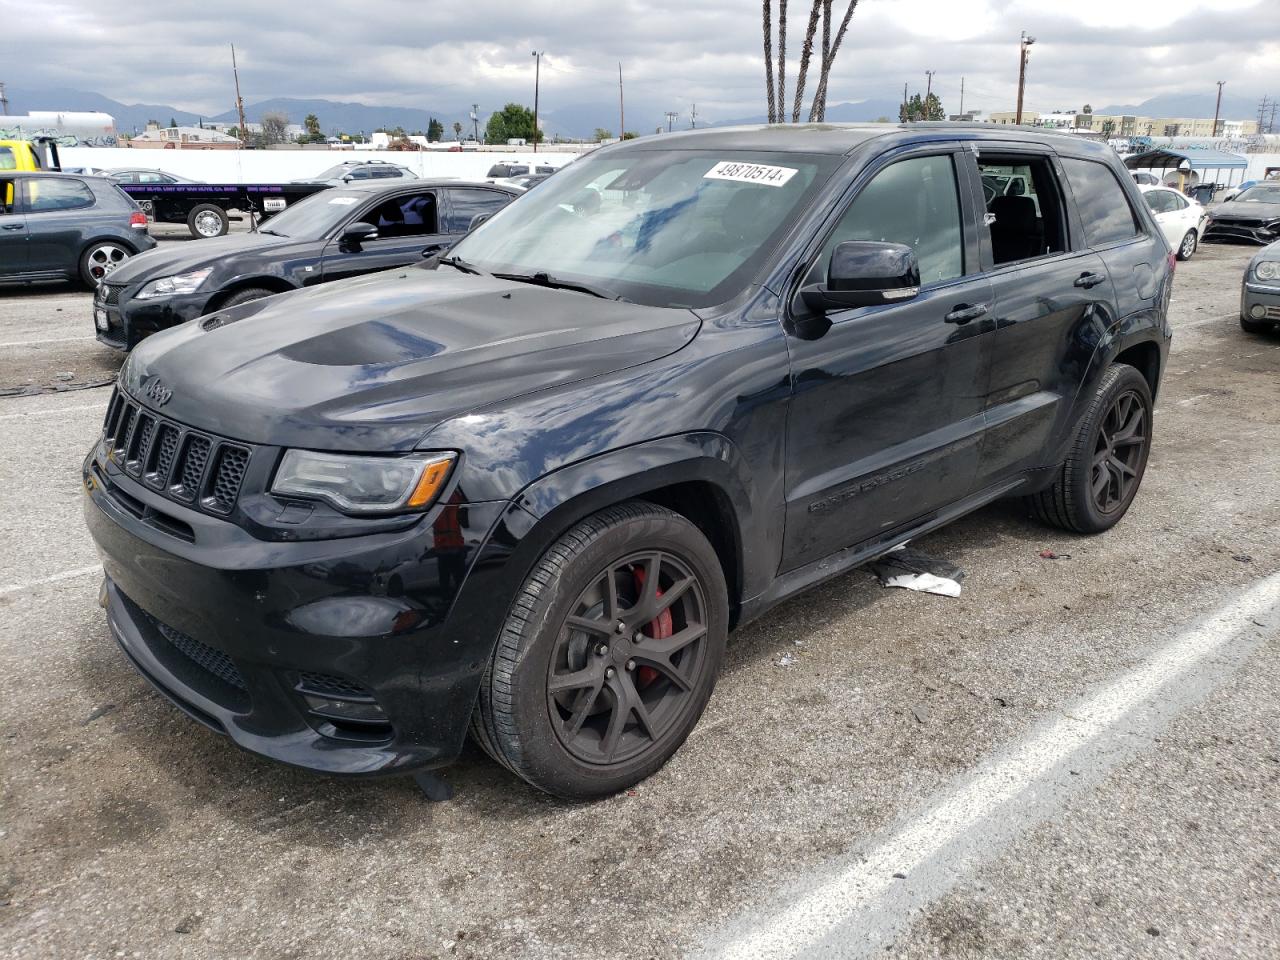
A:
<point x="750" y="173"/>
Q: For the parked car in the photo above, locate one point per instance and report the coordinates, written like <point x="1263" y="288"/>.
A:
<point x="57" y="226"/>
<point x="508" y="169"/>
<point x="1253" y="216"/>
<point x="353" y="171"/>
<point x="1232" y="192"/>
<point x="1260" y="291"/>
<point x="1144" y="179"/>
<point x="144" y="175"/>
<point x="342" y="232"/>
<point x="1181" y="219"/>
<point x="527" y="494"/>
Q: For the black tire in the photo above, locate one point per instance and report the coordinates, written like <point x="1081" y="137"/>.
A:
<point x="100" y="257"/>
<point x="201" y="221"/>
<point x="516" y="720"/>
<point x="246" y="295"/>
<point x="1256" y="326"/>
<point x="1074" y="501"/>
<point x="1190" y="243"/>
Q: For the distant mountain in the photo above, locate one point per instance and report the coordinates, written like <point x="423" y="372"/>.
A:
<point x="342" y="117"/>
<point x="1197" y="105"/>
<point x="127" y="116"/>
<point x="862" y="111"/>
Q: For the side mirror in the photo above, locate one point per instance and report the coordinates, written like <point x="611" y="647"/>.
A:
<point x="478" y="219"/>
<point x="865" y="273"/>
<point x="356" y="234"/>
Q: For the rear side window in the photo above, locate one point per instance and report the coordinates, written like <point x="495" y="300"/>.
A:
<point x="1102" y="203"/>
<point x="914" y="202"/>
<point x="50" y="194"/>
<point x="466" y="205"/>
<point x="384" y="173"/>
<point x="1024" y="207"/>
<point x="1161" y="201"/>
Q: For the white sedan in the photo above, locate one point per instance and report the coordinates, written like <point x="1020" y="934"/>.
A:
<point x="1181" y="218"/>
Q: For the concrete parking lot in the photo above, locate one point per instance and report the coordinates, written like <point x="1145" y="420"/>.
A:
<point x="1078" y="757"/>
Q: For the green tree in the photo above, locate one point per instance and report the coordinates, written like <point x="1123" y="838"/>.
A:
<point x="630" y="135"/>
<point x="918" y="108"/>
<point x="312" y="124"/>
<point x="512" y="122"/>
<point x="435" y="130"/>
<point x="173" y="122"/>
<point x="457" y="130"/>
<point x="602" y="134"/>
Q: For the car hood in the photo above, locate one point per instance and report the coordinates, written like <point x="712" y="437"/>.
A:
<point x="1236" y="210"/>
<point x="170" y="258"/>
<point x="376" y="362"/>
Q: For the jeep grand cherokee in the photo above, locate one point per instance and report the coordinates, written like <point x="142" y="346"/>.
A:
<point x="526" y="494"/>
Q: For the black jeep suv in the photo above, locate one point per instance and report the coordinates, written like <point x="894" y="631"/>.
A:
<point x="527" y="493"/>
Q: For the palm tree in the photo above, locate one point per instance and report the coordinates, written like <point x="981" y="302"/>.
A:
<point x="776" y="90"/>
<point x="457" y="130"/>
<point x="768" y="60"/>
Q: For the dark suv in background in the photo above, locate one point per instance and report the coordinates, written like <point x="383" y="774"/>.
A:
<point x="527" y="494"/>
<point x="56" y="226"/>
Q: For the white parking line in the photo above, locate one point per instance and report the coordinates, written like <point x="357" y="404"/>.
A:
<point x="55" y="578"/>
<point x="859" y="907"/>
<point x="27" y="343"/>
<point x="50" y="412"/>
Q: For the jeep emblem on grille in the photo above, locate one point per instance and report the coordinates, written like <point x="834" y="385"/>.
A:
<point x="158" y="392"/>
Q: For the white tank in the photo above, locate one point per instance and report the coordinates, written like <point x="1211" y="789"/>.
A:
<point x="70" y="128"/>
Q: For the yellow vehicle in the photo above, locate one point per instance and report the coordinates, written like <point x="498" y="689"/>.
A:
<point x="39" y="154"/>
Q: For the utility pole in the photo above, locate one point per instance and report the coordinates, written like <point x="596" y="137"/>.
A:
<point x="537" y="76"/>
<point x="475" y="120"/>
<point x="928" y="88"/>
<point x="1271" y="124"/>
<point x="622" y="109"/>
<point x="4" y="101"/>
<point x="962" y="96"/>
<point x="693" y="117"/>
<point x="906" y="113"/>
<point x="1217" y="108"/>
<point x="235" y="72"/>
<point x="1024" y="49"/>
<point x="671" y="118"/>
<point x="1262" y="114"/>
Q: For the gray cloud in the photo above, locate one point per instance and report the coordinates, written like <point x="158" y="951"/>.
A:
<point x="443" y="56"/>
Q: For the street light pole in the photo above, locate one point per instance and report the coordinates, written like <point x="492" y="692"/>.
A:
<point x="1024" y="47"/>
<point x="1217" y="109"/>
<point x="537" y="76"/>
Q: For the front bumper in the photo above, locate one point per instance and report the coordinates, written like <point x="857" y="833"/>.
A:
<point x="237" y="630"/>
<point x="1266" y="296"/>
<point x="1239" y="231"/>
<point x="129" y="320"/>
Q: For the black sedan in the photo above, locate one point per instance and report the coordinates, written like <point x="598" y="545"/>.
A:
<point x="1253" y="216"/>
<point x="343" y="232"/>
<point x="55" y="226"/>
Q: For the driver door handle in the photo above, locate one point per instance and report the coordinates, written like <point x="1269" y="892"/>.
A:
<point x="433" y="248"/>
<point x="964" y="313"/>
<point x="1089" y="280"/>
<point x="14" y="226"/>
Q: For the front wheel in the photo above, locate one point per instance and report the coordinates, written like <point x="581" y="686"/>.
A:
<point x="608" y="655"/>
<point x="1104" y="467"/>
<point x="1187" y="248"/>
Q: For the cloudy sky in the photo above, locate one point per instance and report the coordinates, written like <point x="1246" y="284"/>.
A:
<point x="674" y="53"/>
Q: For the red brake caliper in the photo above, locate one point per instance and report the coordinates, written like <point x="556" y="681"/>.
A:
<point x="659" y="629"/>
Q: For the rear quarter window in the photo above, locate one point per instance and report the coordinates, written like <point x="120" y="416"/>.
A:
<point x="1101" y="202"/>
<point x="50" y="194"/>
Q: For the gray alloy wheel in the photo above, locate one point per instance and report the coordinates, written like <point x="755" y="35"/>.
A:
<point x="208" y="220"/>
<point x="1188" y="246"/>
<point x="609" y="653"/>
<point x="100" y="259"/>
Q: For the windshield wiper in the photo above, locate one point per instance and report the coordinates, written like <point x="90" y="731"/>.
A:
<point x="273" y="233"/>
<point x="459" y="264"/>
<point x="543" y="279"/>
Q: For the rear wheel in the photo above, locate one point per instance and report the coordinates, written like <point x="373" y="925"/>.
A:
<point x="608" y="655"/>
<point x="1104" y="468"/>
<point x="208" y="220"/>
<point x="1187" y="248"/>
<point x="100" y="259"/>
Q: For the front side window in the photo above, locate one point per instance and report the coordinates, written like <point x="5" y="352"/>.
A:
<point x="915" y="202"/>
<point x="50" y="194"/>
<point x="466" y="205"/>
<point x="412" y="216"/>
<point x="1102" y="203"/>
<point x="153" y="178"/>
<point x="1024" y="208"/>
<point x="358" y="173"/>
<point x="661" y="227"/>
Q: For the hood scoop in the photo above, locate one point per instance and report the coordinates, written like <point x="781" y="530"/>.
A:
<point x="375" y="343"/>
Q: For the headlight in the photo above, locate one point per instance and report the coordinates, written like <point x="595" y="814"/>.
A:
<point x="362" y="484"/>
<point x="168" y="286"/>
<point x="1267" y="270"/>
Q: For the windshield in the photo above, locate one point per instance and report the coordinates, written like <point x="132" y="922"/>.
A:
<point x="660" y="227"/>
<point x="334" y="173"/>
<point x="315" y="216"/>
<point x="1262" y="193"/>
